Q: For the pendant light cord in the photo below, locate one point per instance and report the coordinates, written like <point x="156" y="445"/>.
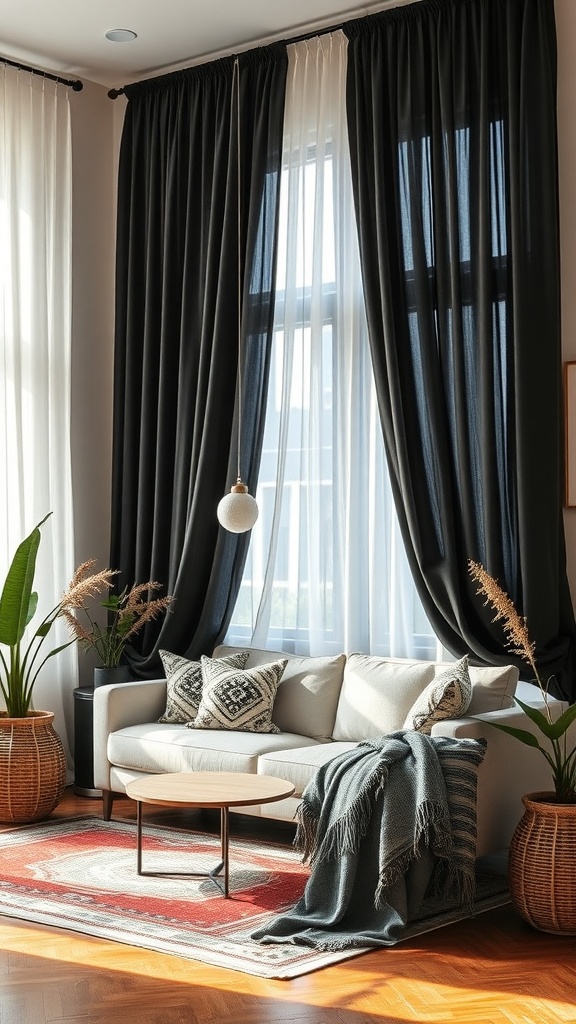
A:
<point x="237" y="511"/>
<point x="236" y="94"/>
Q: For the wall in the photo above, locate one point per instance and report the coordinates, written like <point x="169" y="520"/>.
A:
<point x="94" y="154"/>
<point x="566" y="32"/>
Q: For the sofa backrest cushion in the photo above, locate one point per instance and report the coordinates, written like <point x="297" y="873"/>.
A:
<point x="362" y="696"/>
<point x="493" y="687"/>
<point x="377" y="694"/>
<point x="308" y="693"/>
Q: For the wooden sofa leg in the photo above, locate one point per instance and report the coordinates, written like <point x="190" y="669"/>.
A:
<point x="107" y="801"/>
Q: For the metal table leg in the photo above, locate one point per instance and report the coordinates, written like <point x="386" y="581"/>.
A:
<point x="218" y="873"/>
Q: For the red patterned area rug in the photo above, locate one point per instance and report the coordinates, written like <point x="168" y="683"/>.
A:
<point x="80" y="874"/>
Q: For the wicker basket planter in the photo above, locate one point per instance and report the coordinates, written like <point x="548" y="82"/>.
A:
<point x="32" y="767"/>
<point x="542" y="876"/>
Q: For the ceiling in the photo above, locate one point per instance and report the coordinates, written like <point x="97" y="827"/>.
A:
<point x="68" y="36"/>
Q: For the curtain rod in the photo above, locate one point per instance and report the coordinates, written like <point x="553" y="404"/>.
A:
<point x="74" y="84"/>
<point x="312" y="34"/>
<point x="113" y="93"/>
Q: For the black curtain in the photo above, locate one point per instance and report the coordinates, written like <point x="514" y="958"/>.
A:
<point x="174" y="444"/>
<point x="451" y="108"/>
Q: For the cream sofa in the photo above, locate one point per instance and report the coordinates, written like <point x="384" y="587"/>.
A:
<point x="323" y="706"/>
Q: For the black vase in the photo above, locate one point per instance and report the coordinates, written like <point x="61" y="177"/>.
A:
<point x="116" y="674"/>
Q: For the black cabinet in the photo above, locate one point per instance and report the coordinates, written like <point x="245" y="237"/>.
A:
<point x="84" y="742"/>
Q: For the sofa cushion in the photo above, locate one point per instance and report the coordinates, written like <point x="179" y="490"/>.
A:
<point x="238" y="699"/>
<point x="377" y="694"/>
<point x="184" y="684"/>
<point x="299" y="764"/>
<point x="493" y="688"/>
<point x="447" y="696"/>
<point x="307" y="696"/>
<point x="159" y="748"/>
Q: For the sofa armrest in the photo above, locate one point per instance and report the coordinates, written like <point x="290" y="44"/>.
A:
<point x="510" y="770"/>
<point x="117" y="706"/>
<point x="477" y="725"/>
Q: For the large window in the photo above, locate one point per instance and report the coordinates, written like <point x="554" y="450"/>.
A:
<point x="326" y="569"/>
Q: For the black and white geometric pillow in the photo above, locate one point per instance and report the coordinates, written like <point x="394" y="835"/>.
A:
<point x="447" y="696"/>
<point x="234" y="699"/>
<point x="184" y="685"/>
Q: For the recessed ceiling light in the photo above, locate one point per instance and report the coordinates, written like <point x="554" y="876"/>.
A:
<point x="120" y="35"/>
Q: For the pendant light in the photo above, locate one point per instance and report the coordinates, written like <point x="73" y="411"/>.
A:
<point x="237" y="511"/>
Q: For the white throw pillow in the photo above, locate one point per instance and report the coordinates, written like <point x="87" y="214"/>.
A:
<point x="308" y="695"/>
<point x="493" y="687"/>
<point x="236" y="699"/>
<point x="184" y="685"/>
<point x="447" y="696"/>
<point x="377" y="694"/>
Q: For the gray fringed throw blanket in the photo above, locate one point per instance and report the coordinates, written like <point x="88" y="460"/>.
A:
<point x="382" y="825"/>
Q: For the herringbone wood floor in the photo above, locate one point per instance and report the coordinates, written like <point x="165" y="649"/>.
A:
<point x="490" y="970"/>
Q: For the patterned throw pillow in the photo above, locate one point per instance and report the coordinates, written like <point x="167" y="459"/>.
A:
<point x="234" y="699"/>
<point x="447" y="696"/>
<point x="184" y="685"/>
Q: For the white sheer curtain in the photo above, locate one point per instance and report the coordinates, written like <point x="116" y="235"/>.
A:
<point x="35" y="300"/>
<point x="326" y="570"/>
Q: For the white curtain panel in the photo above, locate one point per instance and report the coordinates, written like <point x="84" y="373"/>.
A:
<point x="326" y="570"/>
<point x="35" y="302"/>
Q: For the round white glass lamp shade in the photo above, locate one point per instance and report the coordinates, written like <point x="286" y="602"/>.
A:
<point x="237" y="512"/>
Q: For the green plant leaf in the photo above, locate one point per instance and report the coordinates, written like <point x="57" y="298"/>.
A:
<point x="560" y="726"/>
<point x="33" y="605"/>
<point x="45" y="628"/>
<point x="538" y="717"/>
<point x="17" y="600"/>
<point x="553" y="730"/>
<point x="520" y="734"/>
<point x="57" y="650"/>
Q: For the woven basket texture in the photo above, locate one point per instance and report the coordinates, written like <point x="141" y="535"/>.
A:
<point x="541" y="865"/>
<point x="32" y="767"/>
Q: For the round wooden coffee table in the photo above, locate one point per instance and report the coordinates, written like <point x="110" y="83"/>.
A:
<point x="204" y="789"/>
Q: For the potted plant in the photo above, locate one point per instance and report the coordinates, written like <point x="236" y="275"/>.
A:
<point x="541" y="857"/>
<point x="32" y="759"/>
<point x="127" y="613"/>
